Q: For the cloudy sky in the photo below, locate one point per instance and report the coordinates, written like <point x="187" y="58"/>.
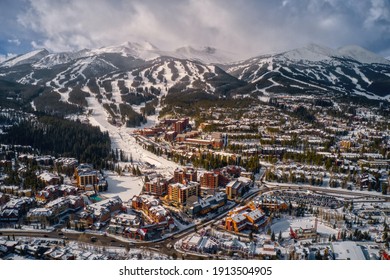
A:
<point x="246" y="27"/>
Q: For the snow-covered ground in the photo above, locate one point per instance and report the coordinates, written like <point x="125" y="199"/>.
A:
<point x="122" y="138"/>
<point x="29" y="228"/>
<point x="125" y="186"/>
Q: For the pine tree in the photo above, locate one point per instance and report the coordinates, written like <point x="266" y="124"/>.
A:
<point x="138" y="172"/>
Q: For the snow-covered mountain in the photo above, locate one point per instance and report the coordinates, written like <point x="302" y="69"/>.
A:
<point x="312" y="53"/>
<point x="362" y="55"/>
<point x="208" y="55"/>
<point x="28" y="58"/>
<point x="132" y="73"/>
<point x="54" y="59"/>
<point x="144" y="50"/>
<point x="317" y="70"/>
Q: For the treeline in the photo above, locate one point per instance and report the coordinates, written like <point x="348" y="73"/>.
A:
<point x="18" y="96"/>
<point x="50" y="102"/>
<point x="150" y="108"/>
<point x="303" y="114"/>
<point x="60" y="137"/>
<point x="132" y="118"/>
<point x="195" y="102"/>
<point x="77" y="96"/>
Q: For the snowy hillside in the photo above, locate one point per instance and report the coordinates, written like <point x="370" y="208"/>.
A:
<point x="27" y="58"/>
<point x="137" y="73"/>
<point x="311" y="52"/>
<point x="168" y="74"/>
<point x="317" y="70"/>
<point x="362" y="55"/>
<point x="54" y="59"/>
<point x="144" y="50"/>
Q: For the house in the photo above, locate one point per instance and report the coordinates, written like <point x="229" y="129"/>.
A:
<point x="49" y="178"/>
<point x="122" y="221"/>
<point x="15" y="208"/>
<point x="49" y="193"/>
<point x="367" y="180"/>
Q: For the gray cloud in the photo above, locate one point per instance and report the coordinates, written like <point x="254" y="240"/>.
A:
<point x="245" y="27"/>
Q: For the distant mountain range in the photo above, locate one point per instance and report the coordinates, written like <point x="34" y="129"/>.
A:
<point x="141" y="71"/>
<point x="314" y="69"/>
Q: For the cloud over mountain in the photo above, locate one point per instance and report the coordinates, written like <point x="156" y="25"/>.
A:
<point x="243" y="27"/>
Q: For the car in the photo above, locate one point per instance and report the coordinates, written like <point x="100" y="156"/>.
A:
<point x="93" y="239"/>
<point x="60" y="233"/>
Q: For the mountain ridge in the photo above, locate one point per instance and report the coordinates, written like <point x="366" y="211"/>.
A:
<point x="209" y="55"/>
<point x="136" y="73"/>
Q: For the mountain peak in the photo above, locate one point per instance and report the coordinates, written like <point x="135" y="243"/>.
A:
<point x="26" y="58"/>
<point x="205" y="54"/>
<point x="144" y="45"/>
<point x="143" y="50"/>
<point x="311" y="52"/>
<point x="362" y="55"/>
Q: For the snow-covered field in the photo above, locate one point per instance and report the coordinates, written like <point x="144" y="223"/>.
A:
<point x="125" y="186"/>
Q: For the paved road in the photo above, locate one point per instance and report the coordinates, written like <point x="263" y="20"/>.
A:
<point x="275" y="186"/>
<point x="100" y="240"/>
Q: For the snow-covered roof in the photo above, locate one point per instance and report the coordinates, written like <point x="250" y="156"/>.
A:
<point x="347" y="250"/>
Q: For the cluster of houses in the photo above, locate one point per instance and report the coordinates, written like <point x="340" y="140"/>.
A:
<point x="97" y="215"/>
<point x="52" y="200"/>
<point x="180" y="132"/>
<point x="49" y="249"/>
<point x="296" y="173"/>
<point x="211" y="242"/>
<point x="15" y="208"/>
